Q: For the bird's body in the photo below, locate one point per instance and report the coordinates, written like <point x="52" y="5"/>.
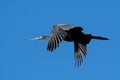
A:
<point x="70" y="33"/>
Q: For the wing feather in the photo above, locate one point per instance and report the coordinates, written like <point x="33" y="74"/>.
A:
<point x="80" y="50"/>
<point x="57" y="35"/>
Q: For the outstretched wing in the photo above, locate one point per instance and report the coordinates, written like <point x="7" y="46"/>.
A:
<point x="80" y="50"/>
<point x="68" y="26"/>
<point x="57" y="35"/>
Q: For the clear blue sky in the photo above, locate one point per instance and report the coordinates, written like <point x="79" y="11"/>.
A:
<point x="24" y="59"/>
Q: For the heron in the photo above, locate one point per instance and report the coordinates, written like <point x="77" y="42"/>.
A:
<point x="70" y="33"/>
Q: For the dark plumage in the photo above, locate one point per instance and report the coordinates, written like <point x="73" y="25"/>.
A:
<point x="70" y="33"/>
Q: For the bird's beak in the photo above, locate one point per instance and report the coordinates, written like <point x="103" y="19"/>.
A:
<point x="37" y="38"/>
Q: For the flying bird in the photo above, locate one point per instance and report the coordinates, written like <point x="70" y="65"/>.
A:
<point x="70" y="33"/>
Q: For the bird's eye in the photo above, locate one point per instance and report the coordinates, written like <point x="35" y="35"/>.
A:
<point x="40" y="37"/>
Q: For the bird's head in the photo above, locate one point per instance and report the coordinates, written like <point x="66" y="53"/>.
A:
<point x="41" y="37"/>
<point x="38" y="38"/>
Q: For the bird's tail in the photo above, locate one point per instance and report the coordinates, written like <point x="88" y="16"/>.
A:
<point x="99" y="37"/>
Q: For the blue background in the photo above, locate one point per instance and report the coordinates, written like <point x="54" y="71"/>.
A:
<point x="24" y="59"/>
